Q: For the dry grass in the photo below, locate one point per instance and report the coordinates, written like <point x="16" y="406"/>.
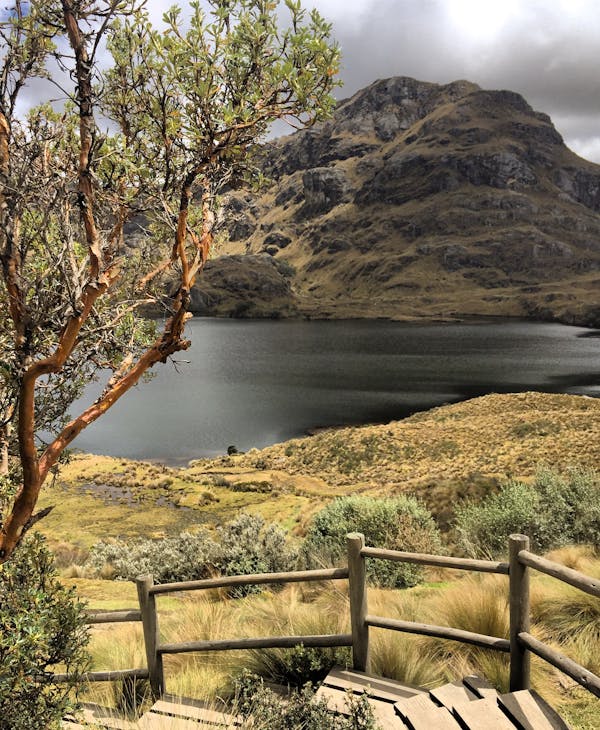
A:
<point x="566" y="618"/>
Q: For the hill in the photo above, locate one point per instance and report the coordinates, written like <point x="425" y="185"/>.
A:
<point x="443" y="455"/>
<point x="416" y="200"/>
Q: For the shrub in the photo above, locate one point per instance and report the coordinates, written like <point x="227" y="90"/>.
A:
<point x="245" y="545"/>
<point x="555" y="510"/>
<point x="483" y="528"/>
<point x="269" y="711"/>
<point x="185" y="557"/>
<point x="250" y="545"/>
<point x="399" y="523"/>
<point x="42" y="627"/>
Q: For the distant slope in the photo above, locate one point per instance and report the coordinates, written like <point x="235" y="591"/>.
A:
<point x="417" y="200"/>
<point x="448" y="452"/>
<point x="443" y="455"/>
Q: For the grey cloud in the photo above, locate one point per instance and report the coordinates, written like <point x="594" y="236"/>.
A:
<point x="545" y="54"/>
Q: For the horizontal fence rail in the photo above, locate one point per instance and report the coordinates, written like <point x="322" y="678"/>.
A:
<point x="519" y="645"/>
<point x="440" y="561"/>
<point x="107" y="676"/>
<point x="580" y="674"/>
<point x="124" y="615"/>
<point x="112" y="617"/>
<point x="585" y="583"/>
<point x="440" y="632"/>
<point x="230" y="581"/>
<point x="268" y="642"/>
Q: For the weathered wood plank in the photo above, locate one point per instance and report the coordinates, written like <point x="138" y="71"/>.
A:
<point x="420" y="713"/>
<point x="104" y="717"/>
<point x="479" y="686"/>
<point x="483" y="715"/>
<point x="337" y="701"/>
<point x="378" y="687"/>
<point x="225" y="581"/>
<point x="440" y="632"/>
<point x="183" y="708"/>
<point x="441" y="561"/>
<point x="530" y="712"/>
<point x="451" y="694"/>
<point x="150" y="721"/>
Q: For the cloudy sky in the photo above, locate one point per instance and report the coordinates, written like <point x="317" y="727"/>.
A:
<point x="548" y="50"/>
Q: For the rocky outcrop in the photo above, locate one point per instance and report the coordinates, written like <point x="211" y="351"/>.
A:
<point x="421" y="200"/>
<point x="255" y="286"/>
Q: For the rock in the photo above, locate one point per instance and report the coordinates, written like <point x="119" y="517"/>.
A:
<point x="243" y="286"/>
<point x="324" y="188"/>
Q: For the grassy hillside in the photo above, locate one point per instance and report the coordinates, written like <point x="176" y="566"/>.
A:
<point x="442" y="455"/>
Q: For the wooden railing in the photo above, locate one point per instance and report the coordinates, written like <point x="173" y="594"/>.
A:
<point x="519" y="645"/>
<point x="112" y="675"/>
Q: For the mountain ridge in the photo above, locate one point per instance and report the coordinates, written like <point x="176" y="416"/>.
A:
<point x="415" y="200"/>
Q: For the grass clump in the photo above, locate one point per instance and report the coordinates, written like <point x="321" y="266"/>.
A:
<point x="398" y="523"/>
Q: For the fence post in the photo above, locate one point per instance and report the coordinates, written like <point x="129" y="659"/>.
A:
<point x="150" y="624"/>
<point x="357" y="579"/>
<point x="520" y="657"/>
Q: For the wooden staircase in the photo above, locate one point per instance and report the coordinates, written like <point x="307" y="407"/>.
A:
<point x="472" y="704"/>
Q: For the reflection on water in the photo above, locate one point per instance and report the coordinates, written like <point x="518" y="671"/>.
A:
<point x="254" y="383"/>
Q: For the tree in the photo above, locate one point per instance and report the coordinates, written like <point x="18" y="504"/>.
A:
<point x="184" y="108"/>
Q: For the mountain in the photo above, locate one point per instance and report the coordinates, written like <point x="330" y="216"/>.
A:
<point x="416" y="200"/>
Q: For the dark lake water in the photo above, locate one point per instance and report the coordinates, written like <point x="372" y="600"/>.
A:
<point x="255" y="383"/>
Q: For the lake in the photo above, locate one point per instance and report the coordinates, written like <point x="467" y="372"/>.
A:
<point x="255" y="383"/>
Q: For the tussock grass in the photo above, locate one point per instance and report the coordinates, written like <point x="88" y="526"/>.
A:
<point x="567" y="618"/>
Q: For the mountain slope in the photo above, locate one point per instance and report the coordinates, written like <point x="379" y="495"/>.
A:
<point x="420" y="200"/>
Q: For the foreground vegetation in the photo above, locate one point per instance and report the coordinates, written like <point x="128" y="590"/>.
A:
<point x="134" y="517"/>
<point x="562" y="616"/>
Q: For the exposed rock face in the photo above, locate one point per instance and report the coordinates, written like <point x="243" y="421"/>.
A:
<point x="421" y="200"/>
<point x="244" y="286"/>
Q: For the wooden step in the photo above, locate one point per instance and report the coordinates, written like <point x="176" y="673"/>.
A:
<point x="103" y="717"/>
<point x="530" y="712"/>
<point x="150" y="721"/>
<point x="189" y="709"/>
<point x="479" y="686"/>
<point x="482" y="715"/>
<point x="421" y="713"/>
<point x="451" y="694"/>
<point x="337" y="701"/>
<point x="378" y="687"/>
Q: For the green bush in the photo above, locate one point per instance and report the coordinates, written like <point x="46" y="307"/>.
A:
<point x="554" y="510"/>
<point x="184" y="557"/>
<point x="399" y="523"/>
<point x="245" y="545"/>
<point x="42" y="630"/>
<point x="269" y="711"/>
<point x="250" y="545"/>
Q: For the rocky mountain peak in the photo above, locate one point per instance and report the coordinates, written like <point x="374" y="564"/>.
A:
<point x="420" y="199"/>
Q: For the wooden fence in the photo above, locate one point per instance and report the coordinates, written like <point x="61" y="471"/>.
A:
<point x="519" y="645"/>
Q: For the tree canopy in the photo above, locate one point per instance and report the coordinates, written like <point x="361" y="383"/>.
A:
<point x="109" y="191"/>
